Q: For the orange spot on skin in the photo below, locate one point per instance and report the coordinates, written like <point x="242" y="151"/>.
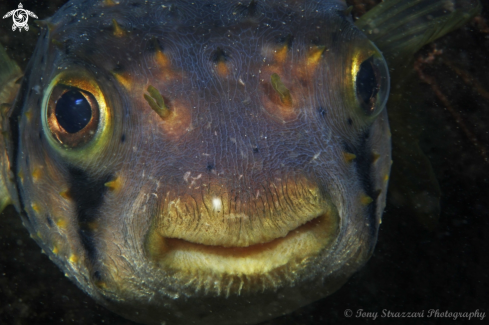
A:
<point x="124" y="79"/>
<point x="306" y="69"/>
<point x="114" y="185"/>
<point x="314" y="56"/>
<point x="222" y="69"/>
<point x="281" y="54"/>
<point x="162" y="60"/>
<point x="163" y="63"/>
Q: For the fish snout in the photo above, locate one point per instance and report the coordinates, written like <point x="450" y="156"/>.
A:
<point x="242" y="230"/>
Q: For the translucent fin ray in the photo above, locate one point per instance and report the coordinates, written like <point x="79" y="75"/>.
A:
<point x="399" y="28"/>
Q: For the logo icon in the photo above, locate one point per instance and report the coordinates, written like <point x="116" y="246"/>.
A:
<point x="20" y="17"/>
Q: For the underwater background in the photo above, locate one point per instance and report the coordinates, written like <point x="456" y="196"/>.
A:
<point x="422" y="262"/>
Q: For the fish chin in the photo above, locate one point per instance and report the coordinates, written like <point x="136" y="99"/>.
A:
<point x="231" y="270"/>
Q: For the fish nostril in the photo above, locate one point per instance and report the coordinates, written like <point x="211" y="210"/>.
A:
<point x="157" y="102"/>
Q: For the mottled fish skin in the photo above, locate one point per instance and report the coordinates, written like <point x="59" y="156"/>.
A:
<point x="230" y="174"/>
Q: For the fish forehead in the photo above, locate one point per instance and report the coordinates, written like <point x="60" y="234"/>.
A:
<point x="221" y="109"/>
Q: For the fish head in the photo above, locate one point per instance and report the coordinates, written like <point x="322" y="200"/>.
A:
<point x="203" y="161"/>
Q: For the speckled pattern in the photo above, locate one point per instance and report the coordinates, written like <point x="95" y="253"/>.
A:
<point x="411" y="270"/>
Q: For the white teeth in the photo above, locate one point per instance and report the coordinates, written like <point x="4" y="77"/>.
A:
<point x="217" y="204"/>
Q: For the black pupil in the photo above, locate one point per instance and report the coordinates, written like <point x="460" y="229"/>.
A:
<point x="73" y="111"/>
<point x="367" y="84"/>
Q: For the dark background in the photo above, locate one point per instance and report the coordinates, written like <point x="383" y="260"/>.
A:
<point x="412" y="270"/>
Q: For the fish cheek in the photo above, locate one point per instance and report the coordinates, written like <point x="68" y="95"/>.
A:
<point x="63" y="189"/>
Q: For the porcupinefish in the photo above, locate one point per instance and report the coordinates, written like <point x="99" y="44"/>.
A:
<point x="208" y="162"/>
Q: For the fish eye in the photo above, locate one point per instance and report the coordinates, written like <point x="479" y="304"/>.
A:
<point x="72" y="115"/>
<point x="73" y="111"/>
<point x="370" y="82"/>
<point x="367" y="84"/>
<point x="75" y="115"/>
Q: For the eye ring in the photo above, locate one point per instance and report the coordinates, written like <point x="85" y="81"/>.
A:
<point x="371" y="84"/>
<point x="76" y="135"/>
<point x="81" y="139"/>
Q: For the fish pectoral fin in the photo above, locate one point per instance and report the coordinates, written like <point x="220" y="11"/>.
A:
<point x="400" y="28"/>
<point x="9" y="74"/>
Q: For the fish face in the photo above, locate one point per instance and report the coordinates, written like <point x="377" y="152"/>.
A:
<point x="208" y="161"/>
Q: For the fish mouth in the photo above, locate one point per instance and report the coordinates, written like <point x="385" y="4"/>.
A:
<point x="286" y="252"/>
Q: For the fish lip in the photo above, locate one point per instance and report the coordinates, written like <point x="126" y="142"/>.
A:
<point x="258" y="245"/>
<point x="290" y="251"/>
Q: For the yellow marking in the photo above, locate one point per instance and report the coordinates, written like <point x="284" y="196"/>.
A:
<point x="20" y="175"/>
<point x="39" y="235"/>
<point x="375" y="157"/>
<point x="35" y="207"/>
<point x="118" y="31"/>
<point x="55" y="250"/>
<point x="109" y="3"/>
<point x="115" y="184"/>
<point x="73" y="259"/>
<point x="280" y="88"/>
<point x="161" y="58"/>
<point x="123" y="79"/>
<point x="101" y="284"/>
<point x="28" y="115"/>
<point x="365" y="199"/>
<point x="157" y="102"/>
<point x="65" y="194"/>
<point x="281" y="54"/>
<point x="163" y="62"/>
<point x="349" y="157"/>
<point x="222" y="68"/>
<point x="386" y="177"/>
<point x="36" y="174"/>
<point x="61" y="223"/>
<point x="315" y="55"/>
